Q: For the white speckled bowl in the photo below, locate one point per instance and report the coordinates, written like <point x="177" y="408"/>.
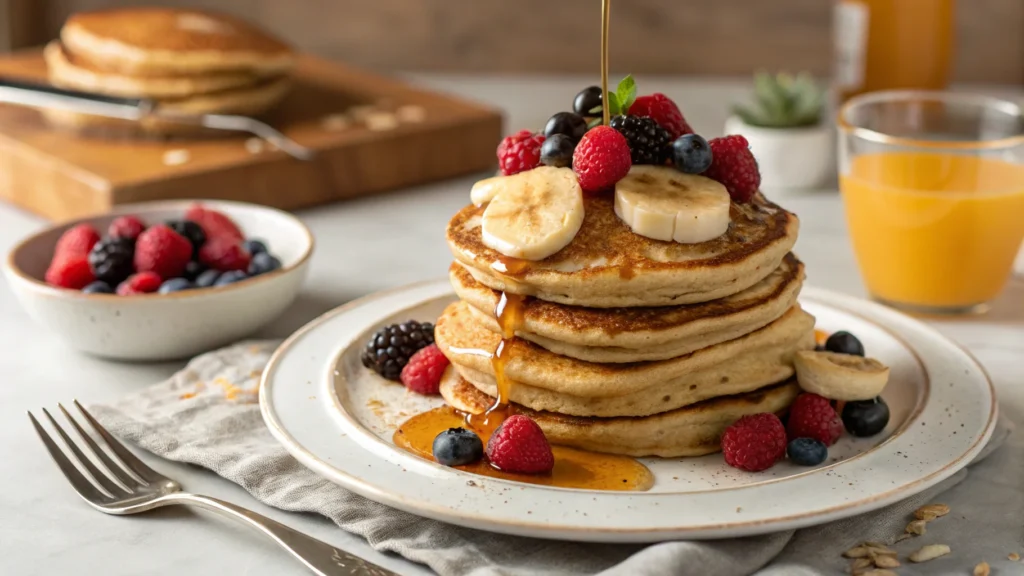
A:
<point x="164" y="326"/>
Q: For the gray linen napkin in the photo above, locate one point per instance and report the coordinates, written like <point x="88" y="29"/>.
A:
<point x="207" y="415"/>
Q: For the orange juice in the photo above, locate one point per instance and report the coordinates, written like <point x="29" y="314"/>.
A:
<point x="935" y="230"/>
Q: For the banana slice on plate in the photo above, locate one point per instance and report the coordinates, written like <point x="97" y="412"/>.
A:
<point x="485" y="190"/>
<point x="840" y="376"/>
<point x="534" y="214"/>
<point x="665" y="204"/>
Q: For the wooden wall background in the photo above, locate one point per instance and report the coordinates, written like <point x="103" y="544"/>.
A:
<point x="695" y="37"/>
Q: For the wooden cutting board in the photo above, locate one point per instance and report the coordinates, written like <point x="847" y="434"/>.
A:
<point x="62" y="175"/>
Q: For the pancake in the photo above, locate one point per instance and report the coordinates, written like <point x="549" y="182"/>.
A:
<point x="168" y="42"/>
<point x="641" y="333"/>
<point x="691" y="431"/>
<point x="250" y="101"/>
<point x="68" y="72"/>
<point x="607" y="265"/>
<point x="469" y="344"/>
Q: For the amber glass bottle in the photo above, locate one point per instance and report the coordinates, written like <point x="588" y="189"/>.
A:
<point x="889" y="44"/>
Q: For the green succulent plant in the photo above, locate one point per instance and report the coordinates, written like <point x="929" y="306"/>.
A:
<point x="783" y="101"/>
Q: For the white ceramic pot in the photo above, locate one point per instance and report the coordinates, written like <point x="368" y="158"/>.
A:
<point x="795" y="158"/>
<point x="164" y="326"/>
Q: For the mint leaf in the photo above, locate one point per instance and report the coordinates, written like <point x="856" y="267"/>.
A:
<point x="614" y="109"/>
<point x="626" y="93"/>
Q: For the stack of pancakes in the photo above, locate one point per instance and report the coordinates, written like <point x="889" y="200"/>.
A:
<point x="186" y="61"/>
<point x="629" y="345"/>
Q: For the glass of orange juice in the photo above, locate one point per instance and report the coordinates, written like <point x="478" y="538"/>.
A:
<point x="933" y="186"/>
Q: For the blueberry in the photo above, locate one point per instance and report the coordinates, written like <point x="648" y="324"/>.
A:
<point x="572" y="125"/>
<point x="557" y="151"/>
<point x="254" y="246"/>
<point x="263" y="262"/>
<point x="191" y="231"/>
<point x="588" y="102"/>
<point x="207" y="279"/>
<point x="844" y="343"/>
<point x="175" y="285"/>
<point x="98" y="287"/>
<point x="457" y="447"/>
<point x="193" y="269"/>
<point x="866" y="417"/>
<point x="230" y="277"/>
<point x="691" y="154"/>
<point x="806" y="451"/>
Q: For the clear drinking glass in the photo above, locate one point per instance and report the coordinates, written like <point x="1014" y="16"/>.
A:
<point x="933" y="186"/>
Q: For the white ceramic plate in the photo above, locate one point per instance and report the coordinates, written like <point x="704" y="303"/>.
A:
<point x="337" y="418"/>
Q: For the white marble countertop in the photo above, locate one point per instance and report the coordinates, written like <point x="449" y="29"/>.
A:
<point x="363" y="246"/>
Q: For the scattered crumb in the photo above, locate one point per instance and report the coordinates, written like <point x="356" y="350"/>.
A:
<point x="176" y="157"/>
<point x="929" y="552"/>
<point x="254" y="145"/>
<point x="359" y="113"/>
<point x="470" y="483"/>
<point x="380" y="121"/>
<point x="188" y="395"/>
<point x="982" y="569"/>
<point x="1013" y="556"/>
<point x="411" y="113"/>
<point x="335" y="122"/>
<point x="739" y="508"/>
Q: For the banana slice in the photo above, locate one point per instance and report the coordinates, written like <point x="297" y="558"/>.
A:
<point x="535" y="213"/>
<point x="485" y="190"/>
<point x="840" y="376"/>
<point x="665" y="204"/>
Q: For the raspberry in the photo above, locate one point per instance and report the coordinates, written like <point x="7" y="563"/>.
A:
<point x="213" y="223"/>
<point x="649" y="143"/>
<point x="755" y="442"/>
<point x="812" y="416"/>
<point x="519" y="445"/>
<point x="601" y="159"/>
<point x="423" y="372"/>
<point x="70" y="271"/>
<point x="162" y="250"/>
<point x="141" y="283"/>
<point x="127" y="227"/>
<point x="734" y="166"/>
<point x="76" y="241"/>
<point x="519" y="152"/>
<point x="224" y="253"/>
<point x="664" y="111"/>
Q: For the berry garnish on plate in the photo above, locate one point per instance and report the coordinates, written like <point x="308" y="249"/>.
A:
<point x="112" y="259"/>
<point x="866" y="417"/>
<point x="754" y="442"/>
<point x="519" y="445"/>
<point x="76" y="241"/>
<point x="812" y="416"/>
<point x="735" y="167"/>
<point x="389" y="350"/>
<point x="140" y="283"/>
<point x="691" y="154"/>
<point x="557" y="151"/>
<point x="601" y="159"/>
<point x="648" y="142"/>
<point x="844" y="343"/>
<point x="664" y="111"/>
<point x="806" y="451"/>
<point x="422" y="374"/>
<point x="568" y="123"/>
<point x="162" y="250"/>
<point x="519" y="152"/>
<point x="126" y="227"/>
<point x="457" y="447"/>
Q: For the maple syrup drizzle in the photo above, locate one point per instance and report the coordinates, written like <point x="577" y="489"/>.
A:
<point x="573" y="468"/>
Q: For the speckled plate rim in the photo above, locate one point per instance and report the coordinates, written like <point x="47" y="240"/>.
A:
<point x="313" y="436"/>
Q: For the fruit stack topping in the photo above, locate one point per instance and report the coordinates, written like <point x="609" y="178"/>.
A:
<point x="648" y="155"/>
<point x="204" y="249"/>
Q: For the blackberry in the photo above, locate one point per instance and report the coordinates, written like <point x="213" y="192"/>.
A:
<point x="192" y="232"/>
<point x="111" y="260"/>
<point x="388" y="351"/>
<point x="649" y="143"/>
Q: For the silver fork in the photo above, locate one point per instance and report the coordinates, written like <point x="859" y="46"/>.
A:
<point x="119" y="483"/>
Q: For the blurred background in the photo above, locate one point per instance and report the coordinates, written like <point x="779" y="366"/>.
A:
<point x="679" y="37"/>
